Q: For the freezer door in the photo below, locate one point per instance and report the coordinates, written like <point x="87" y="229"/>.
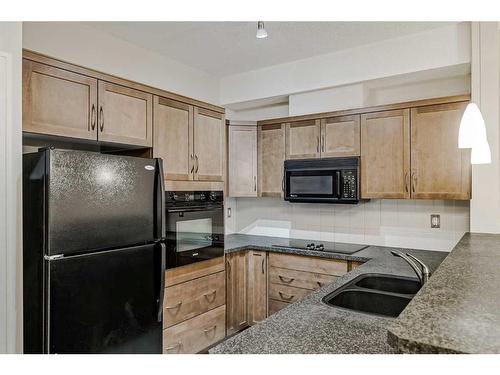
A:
<point x="99" y="201"/>
<point x="105" y="302"/>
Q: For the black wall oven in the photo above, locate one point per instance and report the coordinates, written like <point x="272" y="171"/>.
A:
<point x="329" y="180"/>
<point x="195" y="226"/>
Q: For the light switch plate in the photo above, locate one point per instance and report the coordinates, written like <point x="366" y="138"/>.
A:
<point x="435" y="221"/>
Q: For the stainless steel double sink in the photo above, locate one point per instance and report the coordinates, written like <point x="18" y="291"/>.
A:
<point x="376" y="294"/>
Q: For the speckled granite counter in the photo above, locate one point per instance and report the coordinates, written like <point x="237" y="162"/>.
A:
<point x="310" y="326"/>
<point x="459" y="309"/>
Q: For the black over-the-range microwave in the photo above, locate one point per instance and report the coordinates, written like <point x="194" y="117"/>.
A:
<point x="329" y="180"/>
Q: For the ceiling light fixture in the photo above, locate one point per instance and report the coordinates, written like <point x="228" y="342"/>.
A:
<point x="472" y="134"/>
<point x="261" y="32"/>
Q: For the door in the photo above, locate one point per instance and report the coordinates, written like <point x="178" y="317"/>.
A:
<point x="58" y="102"/>
<point x="125" y="115"/>
<point x="439" y="169"/>
<point x="173" y="138"/>
<point x="236" y="292"/>
<point x="303" y="139"/>
<point x="385" y="154"/>
<point x="242" y="161"/>
<point x="257" y="286"/>
<point x="209" y="135"/>
<point x="105" y="302"/>
<point x="98" y="201"/>
<point x="340" y="136"/>
<point x="271" y="155"/>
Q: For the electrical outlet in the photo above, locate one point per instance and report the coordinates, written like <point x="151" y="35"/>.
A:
<point x="435" y="221"/>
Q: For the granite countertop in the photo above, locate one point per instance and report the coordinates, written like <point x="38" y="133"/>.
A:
<point x="459" y="309"/>
<point x="310" y="326"/>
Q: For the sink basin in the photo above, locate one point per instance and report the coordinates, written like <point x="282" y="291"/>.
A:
<point x="369" y="302"/>
<point x="387" y="283"/>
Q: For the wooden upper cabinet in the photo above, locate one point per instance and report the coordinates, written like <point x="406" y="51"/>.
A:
<point x="242" y="161"/>
<point x="439" y="169"/>
<point x="257" y="286"/>
<point x="236" y="292"/>
<point x="125" y="115"/>
<point x="303" y="139"/>
<point x="58" y="102"/>
<point x="385" y="154"/>
<point x="209" y="136"/>
<point x="271" y="155"/>
<point x="173" y="138"/>
<point x="340" y="136"/>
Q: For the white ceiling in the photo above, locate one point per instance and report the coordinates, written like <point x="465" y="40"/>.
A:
<point x="226" y="48"/>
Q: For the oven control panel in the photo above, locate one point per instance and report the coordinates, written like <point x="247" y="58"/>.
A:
<point x="349" y="184"/>
<point x="193" y="197"/>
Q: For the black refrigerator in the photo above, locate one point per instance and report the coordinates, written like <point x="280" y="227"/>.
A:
<point x="94" y="256"/>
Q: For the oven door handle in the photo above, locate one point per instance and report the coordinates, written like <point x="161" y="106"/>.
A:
<point x="193" y="209"/>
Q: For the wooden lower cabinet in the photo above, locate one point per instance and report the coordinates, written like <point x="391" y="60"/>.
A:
<point x="275" y="306"/>
<point x="236" y="292"/>
<point x="299" y="279"/>
<point x="196" y="334"/>
<point x="257" y="286"/>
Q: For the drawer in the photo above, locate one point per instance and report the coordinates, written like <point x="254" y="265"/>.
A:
<point x="177" y="275"/>
<point x="275" y="306"/>
<point x="196" y="334"/>
<point x="286" y="293"/>
<point x="187" y="300"/>
<point x="308" y="264"/>
<point x="300" y="279"/>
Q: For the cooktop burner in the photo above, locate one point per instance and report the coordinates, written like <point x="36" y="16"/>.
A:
<point x="332" y="247"/>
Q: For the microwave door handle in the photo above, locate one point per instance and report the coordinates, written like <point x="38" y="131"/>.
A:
<point x="337" y="178"/>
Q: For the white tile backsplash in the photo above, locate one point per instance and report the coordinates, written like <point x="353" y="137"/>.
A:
<point x="400" y="223"/>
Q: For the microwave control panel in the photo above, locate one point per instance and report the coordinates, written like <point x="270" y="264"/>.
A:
<point x="349" y="184"/>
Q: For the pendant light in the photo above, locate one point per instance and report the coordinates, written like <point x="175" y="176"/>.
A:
<point x="472" y="134"/>
<point x="261" y="32"/>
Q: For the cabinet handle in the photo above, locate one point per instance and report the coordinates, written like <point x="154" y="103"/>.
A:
<point x="212" y="293"/>
<point x="192" y="164"/>
<point x="92" y="117"/>
<point x="406" y="181"/>
<point x="320" y="284"/>
<point x="197" y="163"/>
<point x="323" y="143"/>
<point x="414" y="182"/>
<point x="101" y="117"/>
<point x="254" y="183"/>
<point x="168" y="348"/>
<point x="177" y="305"/>
<point x="262" y="266"/>
<point x="317" y="144"/>
<point x="286" y="296"/>
<point x="283" y="183"/>
<point x="286" y="280"/>
<point x="206" y="330"/>
<point x="228" y="269"/>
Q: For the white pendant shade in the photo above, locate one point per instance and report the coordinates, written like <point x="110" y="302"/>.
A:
<point x="472" y="134"/>
<point x="261" y="31"/>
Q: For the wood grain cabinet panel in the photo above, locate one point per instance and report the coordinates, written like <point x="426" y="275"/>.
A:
<point x="385" y="154"/>
<point x="125" y="115"/>
<point x="257" y="286"/>
<point x="275" y="306"/>
<point x="236" y="292"/>
<point x="192" y="298"/>
<point x="173" y="138"/>
<point x="271" y="155"/>
<point x="308" y="264"/>
<point x="340" y="136"/>
<point x="242" y="161"/>
<point x="288" y="294"/>
<point x="303" y="139"/>
<point x="209" y="144"/>
<point x="439" y="169"/>
<point x="299" y="279"/>
<point x="195" y="334"/>
<point x="58" y="102"/>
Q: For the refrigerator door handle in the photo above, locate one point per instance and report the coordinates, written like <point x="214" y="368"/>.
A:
<point x="162" y="282"/>
<point x="162" y="198"/>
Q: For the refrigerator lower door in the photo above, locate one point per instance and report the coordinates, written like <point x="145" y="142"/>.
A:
<point x="105" y="302"/>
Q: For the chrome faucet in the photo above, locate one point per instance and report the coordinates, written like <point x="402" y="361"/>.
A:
<point x="418" y="266"/>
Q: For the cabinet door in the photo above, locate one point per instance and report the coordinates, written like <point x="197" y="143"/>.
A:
<point x="125" y="115"/>
<point x="302" y="139"/>
<point x="209" y="144"/>
<point x="271" y="155"/>
<point x="58" y="102"/>
<point x="340" y="136"/>
<point x="243" y="161"/>
<point x="173" y="138"/>
<point x="236" y="292"/>
<point x="257" y="286"/>
<point x="385" y="154"/>
<point x="439" y="169"/>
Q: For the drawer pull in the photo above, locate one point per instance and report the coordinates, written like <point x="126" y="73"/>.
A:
<point x="206" y="330"/>
<point x="173" y="346"/>
<point x="177" y="305"/>
<point x="286" y="296"/>
<point x="208" y="296"/>
<point x="320" y="284"/>
<point x="286" y="280"/>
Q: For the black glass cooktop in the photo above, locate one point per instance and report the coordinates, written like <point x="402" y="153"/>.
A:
<point x="331" y="247"/>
